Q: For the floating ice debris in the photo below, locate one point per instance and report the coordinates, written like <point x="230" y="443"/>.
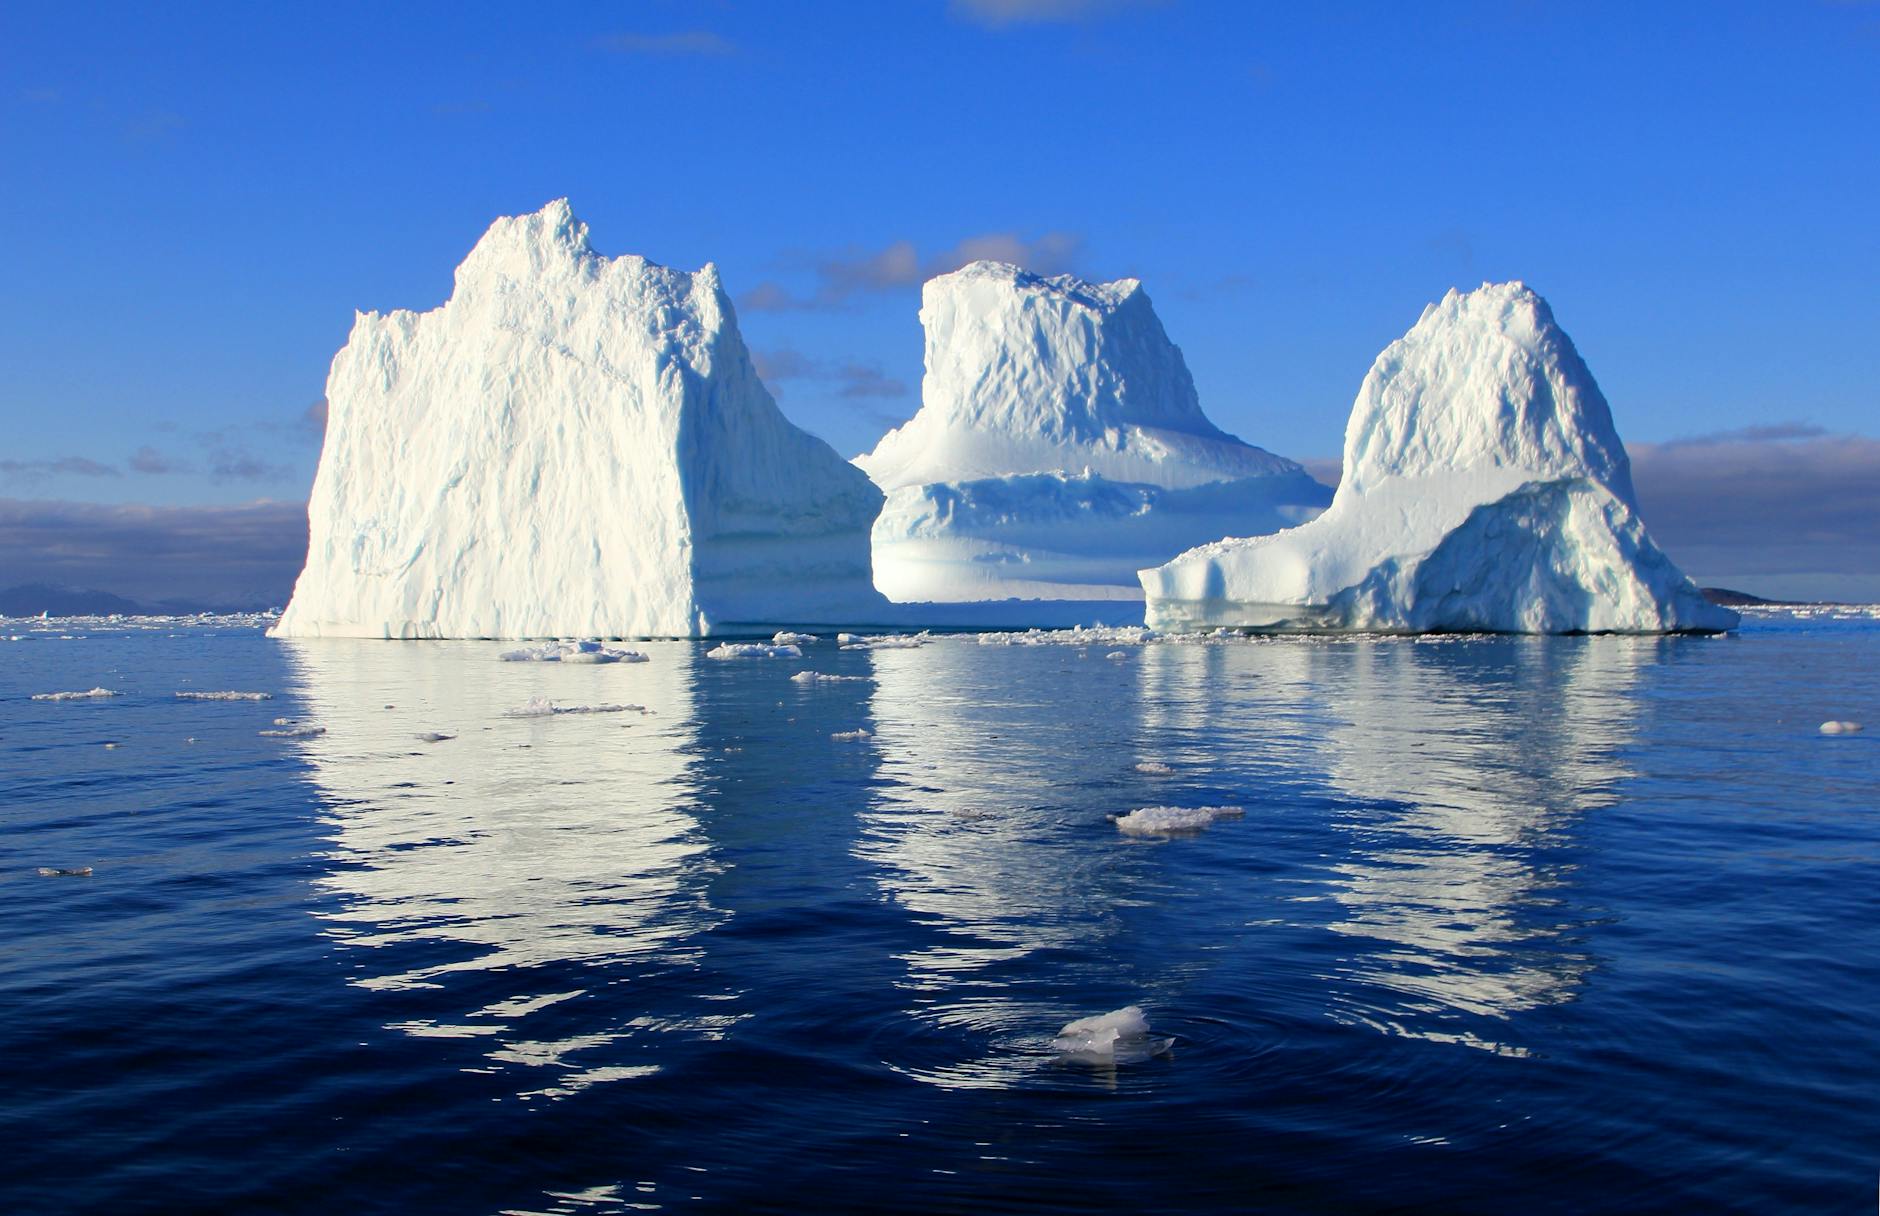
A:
<point x="542" y="707"/>
<point x="284" y="721"/>
<point x="110" y="747"/>
<point x="1163" y="820"/>
<point x="818" y="677"/>
<point x="1117" y="654"/>
<point x="432" y="736"/>
<point x="850" y="736"/>
<point x="1840" y="728"/>
<point x="293" y="732"/>
<point x="572" y="652"/>
<point x="786" y="638"/>
<point x="883" y="641"/>
<point x="225" y="696"/>
<point x="87" y="695"/>
<point x="62" y="872"/>
<point x="1155" y="768"/>
<point x="753" y="650"/>
<point x="1081" y="635"/>
<point x="1118" y="1037"/>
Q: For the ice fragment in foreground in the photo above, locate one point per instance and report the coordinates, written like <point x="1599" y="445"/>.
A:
<point x="58" y="872"/>
<point x="1840" y="728"/>
<point x="753" y="650"/>
<point x="1167" y="820"/>
<point x="1121" y="1036"/>
<point x="225" y="696"/>
<point x="87" y="695"/>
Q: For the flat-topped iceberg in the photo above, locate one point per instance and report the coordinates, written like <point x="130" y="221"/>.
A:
<point x="1484" y="488"/>
<point x="1060" y="446"/>
<point x="571" y="445"/>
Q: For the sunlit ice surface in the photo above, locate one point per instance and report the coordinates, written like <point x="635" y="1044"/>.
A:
<point x="1585" y="921"/>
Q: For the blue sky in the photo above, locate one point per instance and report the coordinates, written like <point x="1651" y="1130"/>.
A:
<point x="200" y="196"/>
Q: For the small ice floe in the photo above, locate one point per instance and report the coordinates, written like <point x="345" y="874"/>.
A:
<point x="1155" y="768"/>
<point x="225" y="696"/>
<point x="1119" y="1037"/>
<point x="1840" y="728"/>
<point x="753" y="650"/>
<point x="572" y="652"/>
<point x="882" y="641"/>
<point x="87" y="695"/>
<point x="432" y="736"/>
<point x="290" y="730"/>
<point x="542" y="707"/>
<point x="111" y="747"/>
<point x="850" y="736"/>
<point x="786" y="638"/>
<point x="1168" y="820"/>
<point x="818" y="677"/>
<point x="62" y="872"/>
<point x="1117" y="654"/>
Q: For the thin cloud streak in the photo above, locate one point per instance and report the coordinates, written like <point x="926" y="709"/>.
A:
<point x="842" y="278"/>
<point x="1000" y="14"/>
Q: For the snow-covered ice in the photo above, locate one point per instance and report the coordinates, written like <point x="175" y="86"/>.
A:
<point x="753" y="650"/>
<point x="225" y="696"/>
<point x="542" y="707"/>
<point x="1484" y="488"/>
<point x="786" y="638"/>
<point x="1118" y="1037"/>
<point x="1166" y="820"/>
<point x="1060" y="446"/>
<point x="572" y="652"/>
<point x="89" y="694"/>
<point x="571" y="445"/>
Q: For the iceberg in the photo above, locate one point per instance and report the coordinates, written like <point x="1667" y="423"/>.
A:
<point x="1059" y="447"/>
<point x="1484" y="489"/>
<point x="571" y="445"/>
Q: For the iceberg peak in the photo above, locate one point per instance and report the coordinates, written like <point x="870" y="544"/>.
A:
<point x="1485" y="379"/>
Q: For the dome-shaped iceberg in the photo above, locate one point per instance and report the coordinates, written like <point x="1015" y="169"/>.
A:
<point x="1484" y="488"/>
<point x="1060" y="446"/>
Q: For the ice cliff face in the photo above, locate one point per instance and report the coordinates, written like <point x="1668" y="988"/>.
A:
<point x="571" y="445"/>
<point x="1484" y="488"/>
<point x="1059" y="447"/>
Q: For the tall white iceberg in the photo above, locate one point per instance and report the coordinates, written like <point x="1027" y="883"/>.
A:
<point x="571" y="445"/>
<point x="1059" y="447"/>
<point x="1484" y="489"/>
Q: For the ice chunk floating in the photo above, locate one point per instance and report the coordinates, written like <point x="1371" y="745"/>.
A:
<point x="1119" y="1037"/>
<point x="1484" y="489"/>
<point x="1060" y="446"/>
<point x="572" y="445"/>
<point x="1172" y="820"/>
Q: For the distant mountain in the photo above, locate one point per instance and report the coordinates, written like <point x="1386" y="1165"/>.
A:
<point x="31" y="599"/>
<point x="1735" y="599"/>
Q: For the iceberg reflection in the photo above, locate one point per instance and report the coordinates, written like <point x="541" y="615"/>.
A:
<point x="514" y="869"/>
<point x="1470" y="765"/>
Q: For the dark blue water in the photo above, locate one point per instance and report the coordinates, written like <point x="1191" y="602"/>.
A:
<point x="1545" y="925"/>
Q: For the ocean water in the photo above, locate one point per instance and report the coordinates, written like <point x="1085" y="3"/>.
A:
<point x="1534" y="924"/>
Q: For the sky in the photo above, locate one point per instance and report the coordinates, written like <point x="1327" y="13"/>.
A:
<point x="199" y="197"/>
